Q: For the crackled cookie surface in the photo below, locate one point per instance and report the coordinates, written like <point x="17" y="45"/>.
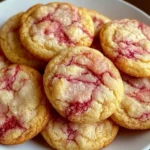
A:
<point x="64" y="135"/>
<point x="53" y="27"/>
<point x="134" y="111"/>
<point x="98" y="19"/>
<point x="23" y="110"/>
<point x="83" y="85"/>
<point x="12" y="46"/>
<point x="127" y="44"/>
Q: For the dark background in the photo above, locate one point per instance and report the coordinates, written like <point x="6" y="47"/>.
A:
<point x="142" y="4"/>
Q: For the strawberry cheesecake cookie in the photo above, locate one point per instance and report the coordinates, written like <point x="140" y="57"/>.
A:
<point x="127" y="44"/>
<point x="12" y="46"/>
<point x="134" y="110"/>
<point x="83" y="85"/>
<point x="98" y="19"/>
<point x="53" y="27"/>
<point x="62" y="134"/>
<point x="23" y="109"/>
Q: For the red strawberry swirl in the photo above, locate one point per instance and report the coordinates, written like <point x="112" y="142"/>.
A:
<point x="137" y="92"/>
<point x="82" y="80"/>
<point x="58" y="25"/>
<point x="63" y="134"/>
<point x="10" y="91"/>
<point x="19" y="103"/>
<point x="131" y="38"/>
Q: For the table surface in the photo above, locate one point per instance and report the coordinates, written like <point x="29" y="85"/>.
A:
<point x="142" y="4"/>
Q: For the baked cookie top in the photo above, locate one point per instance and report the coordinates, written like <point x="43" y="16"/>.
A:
<point x="127" y="44"/>
<point x="23" y="109"/>
<point x="53" y="27"/>
<point x="12" y="46"/>
<point x="62" y="134"/>
<point x="83" y="85"/>
<point x="134" y="110"/>
<point x="4" y="62"/>
<point x="98" y="19"/>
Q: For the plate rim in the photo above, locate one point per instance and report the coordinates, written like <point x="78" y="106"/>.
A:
<point x="122" y="1"/>
<point x="3" y="3"/>
<point x="135" y="7"/>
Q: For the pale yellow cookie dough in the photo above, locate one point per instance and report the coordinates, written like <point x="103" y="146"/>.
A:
<point x="12" y="46"/>
<point x="127" y="43"/>
<point x="54" y="27"/>
<point x="134" y="110"/>
<point x="83" y="85"/>
<point x="23" y="104"/>
<point x="65" y="135"/>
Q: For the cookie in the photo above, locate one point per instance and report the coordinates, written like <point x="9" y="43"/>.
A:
<point x="134" y="111"/>
<point x="98" y="19"/>
<point x="4" y="62"/>
<point x="23" y="108"/>
<point x="53" y="27"/>
<point x="83" y="85"/>
<point x="127" y="44"/>
<point x="29" y="12"/>
<point x="62" y="134"/>
<point x="12" y="46"/>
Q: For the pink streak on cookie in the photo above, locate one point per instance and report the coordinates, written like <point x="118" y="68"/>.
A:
<point x="142" y="91"/>
<point x="75" y="107"/>
<point x="128" y="48"/>
<point x="76" y="80"/>
<point x="127" y="51"/>
<point x="10" y="123"/>
<point x="59" y="34"/>
<point x="88" y="67"/>
<point x="139" y="95"/>
<point x="58" y="28"/>
<point x="71" y="133"/>
<point x="69" y="130"/>
<point x="144" y="117"/>
<point x="145" y="30"/>
<point x="8" y="82"/>
<point x="97" y="22"/>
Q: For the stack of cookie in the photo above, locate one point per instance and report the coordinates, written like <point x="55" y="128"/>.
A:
<point x="81" y="89"/>
<point x="127" y="44"/>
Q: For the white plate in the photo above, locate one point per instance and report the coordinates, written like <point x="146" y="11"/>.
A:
<point x="115" y="9"/>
